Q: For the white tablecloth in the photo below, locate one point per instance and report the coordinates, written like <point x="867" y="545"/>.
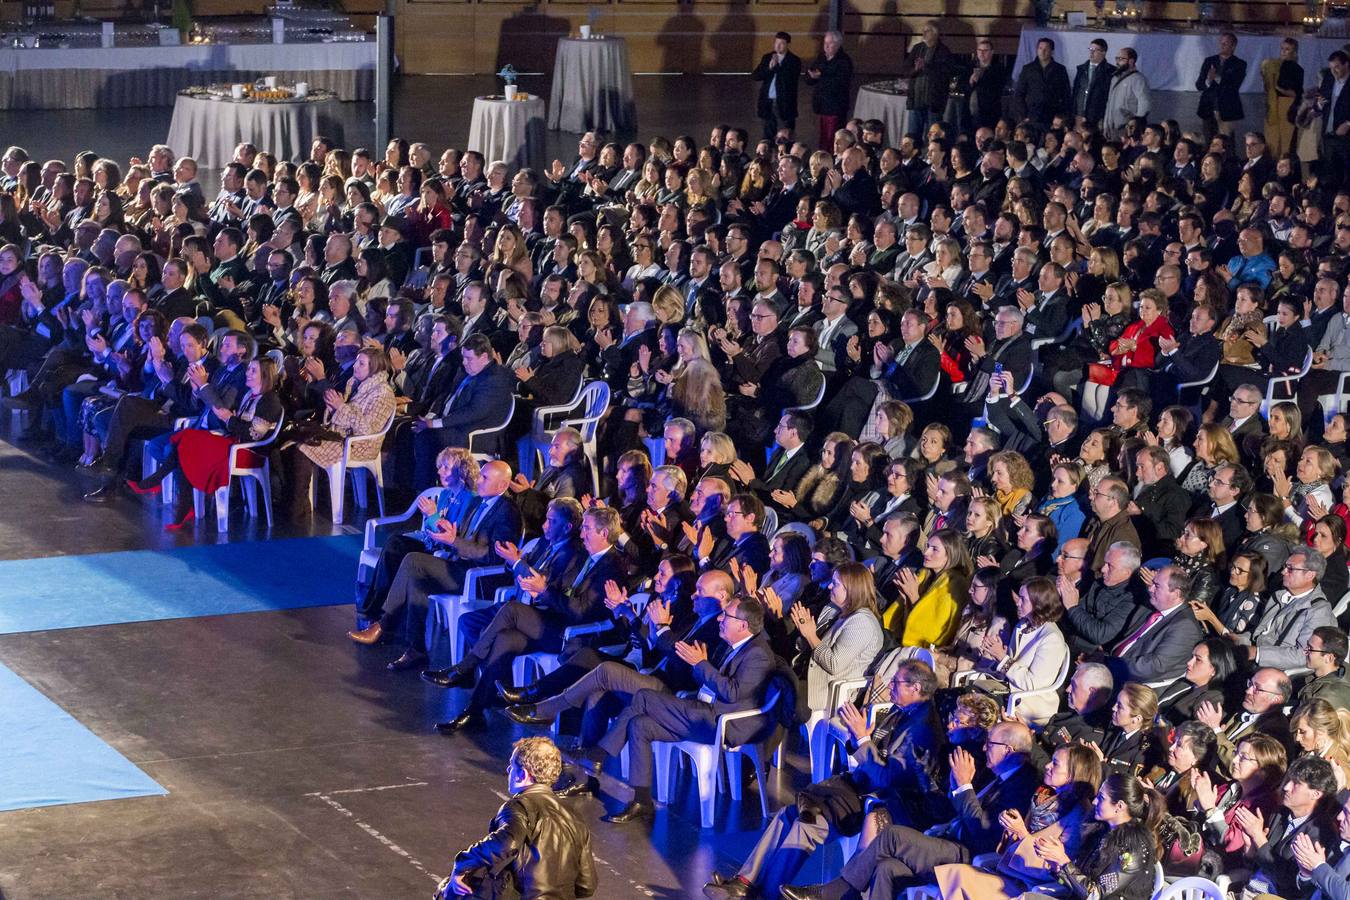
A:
<point x="208" y="129"/>
<point x="1171" y="62"/>
<point x="91" y="78"/>
<point x="592" y="86"/>
<point x="879" y="100"/>
<point x="510" y="130"/>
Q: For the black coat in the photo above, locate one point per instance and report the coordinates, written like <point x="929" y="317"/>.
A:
<point x="787" y="73"/>
<point x="1223" y="96"/>
<point x="834" y="85"/>
<point x="1163" y="507"/>
<point x="1043" y="91"/>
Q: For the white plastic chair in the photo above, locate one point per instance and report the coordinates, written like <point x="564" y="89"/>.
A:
<point x="1334" y="403"/>
<point x="1342" y="605"/>
<point x="770" y="526"/>
<point x="707" y="760"/>
<point x="656" y="450"/>
<point x="1269" y="400"/>
<point x="1194" y="888"/>
<point x="594" y="401"/>
<point x="337" y="473"/>
<point x="544" y="663"/>
<point x="370" y="550"/>
<point x="483" y="432"/>
<point x="937" y="382"/>
<point x="535" y="444"/>
<point x="1201" y="383"/>
<point x="17" y="379"/>
<point x="262" y="474"/>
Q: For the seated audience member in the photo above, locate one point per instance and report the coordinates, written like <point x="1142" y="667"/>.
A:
<point x="1268" y="690"/>
<point x="1279" y="636"/>
<point x="1325" y="656"/>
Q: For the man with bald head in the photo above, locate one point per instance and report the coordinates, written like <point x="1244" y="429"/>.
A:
<point x="492" y="520"/>
<point x="858" y="193"/>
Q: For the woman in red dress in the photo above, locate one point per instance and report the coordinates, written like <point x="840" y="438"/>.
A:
<point x="204" y="456"/>
<point x="1136" y="348"/>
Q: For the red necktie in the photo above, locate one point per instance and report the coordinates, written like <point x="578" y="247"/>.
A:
<point x="1129" y="641"/>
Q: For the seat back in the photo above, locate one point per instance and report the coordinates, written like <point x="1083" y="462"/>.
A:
<point x="358" y="438"/>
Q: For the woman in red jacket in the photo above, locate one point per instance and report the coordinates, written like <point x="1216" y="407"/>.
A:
<point x="1136" y="348"/>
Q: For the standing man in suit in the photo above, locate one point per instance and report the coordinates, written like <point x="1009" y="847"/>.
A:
<point x="901" y="853"/>
<point x="1092" y="84"/>
<point x="777" y="74"/>
<point x="734" y="683"/>
<point x="1219" y="85"/>
<point x="1335" y="123"/>
<point x="479" y="400"/>
<point x="1158" y="649"/>
<point x="987" y="81"/>
<point x="928" y="64"/>
<point x="832" y="76"/>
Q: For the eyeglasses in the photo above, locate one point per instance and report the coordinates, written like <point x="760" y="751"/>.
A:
<point x="760" y="316"/>
<point x="1288" y="568"/>
<point x="727" y="615"/>
<point x="989" y="743"/>
<point x="1070" y="556"/>
<point x="1253" y="686"/>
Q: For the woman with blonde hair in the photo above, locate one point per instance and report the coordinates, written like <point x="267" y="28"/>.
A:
<point x="984" y="538"/>
<point x="1200" y="554"/>
<point x="1214" y="447"/>
<point x="560" y="371"/>
<point x="1323" y="730"/>
<point x="668" y="304"/>
<point x="716" y="453"/>
<point x="1013" y="482"/>
<point x="928" y="609"/>
<point x="510" y="251"/>
<point x="696" y="394"/>
<point x="891" y="424"/>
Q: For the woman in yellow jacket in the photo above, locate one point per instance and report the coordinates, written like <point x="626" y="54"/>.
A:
<point x="928" y="610"/>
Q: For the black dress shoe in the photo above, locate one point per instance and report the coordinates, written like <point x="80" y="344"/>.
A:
<point x="633" y="812"/>
<point x="409" y="660"/>
<point x="469" y="720"/>
<point x="514" y="695"/>
<point x="105" y="494"/>
<point x="526" y="714"/>
<point x="803" y="892"/>
<point x="723" y="888"/>
<point x="448" y="678"/>
<point x="580" y="787"/>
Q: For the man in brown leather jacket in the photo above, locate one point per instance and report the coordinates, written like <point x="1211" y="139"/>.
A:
<point x="536" y="847"/>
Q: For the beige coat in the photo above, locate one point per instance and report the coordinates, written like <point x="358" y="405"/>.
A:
<point x="364" y="413"/>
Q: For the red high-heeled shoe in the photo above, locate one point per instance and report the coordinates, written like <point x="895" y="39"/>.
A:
<point x="186" y="521"/>
<point x="135" y="488"/>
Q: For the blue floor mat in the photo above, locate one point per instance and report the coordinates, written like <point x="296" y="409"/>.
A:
<point x="51" y="759"/>
<point x="149" y="585"/>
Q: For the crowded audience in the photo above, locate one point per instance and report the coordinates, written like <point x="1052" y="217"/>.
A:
<point x="997" y="468"/>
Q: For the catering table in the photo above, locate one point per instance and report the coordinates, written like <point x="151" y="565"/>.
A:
<point x="510" y="130"/>
<point x="887" y="101"/>
<point x="592" y="86"/>
<point x="99" y="78"/>
<point x="208" y="128"/>
<point x="1171" y="61"/>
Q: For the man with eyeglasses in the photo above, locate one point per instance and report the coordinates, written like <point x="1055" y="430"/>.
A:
<point x="1325" y="655"/>
<point x="745" y="544"/>
<point x="1243" y="420"/>
<point x="1268" y="690"/>
<point x="787" y="465"/>
<point x="901" y="854"/>
<point x="1331" y="351"/>
<point x="1281" y="635"/>
<point x="897" y="765"/>
<point x="1158" y="649"/>
<point x="1111" y="520"/>
<point x="1097" y="616"/>
<point x="1188" y="357"/>
<point x="1229" y="484"/>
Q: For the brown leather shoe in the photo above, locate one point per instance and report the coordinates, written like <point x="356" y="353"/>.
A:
<point x="368" y="636"/>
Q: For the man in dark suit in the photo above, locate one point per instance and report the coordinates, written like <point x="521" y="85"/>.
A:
<point x="832" y="76"/>
<point x="1227" y="487"/>
<point x="1022" y="429"/>
<point x="1308" y="808"/>
<point x="987" y="81"/>
<point x="1334" y="126"/>
<point x="899" y="761"/>
<point x="929" y="64"/>
<point x="518" y="628"/>
<point x="1160" y="506"/>
<point x="1092" y="84"/>
<point x="481" y="399"/>
<point x="787" y="465"/>
<point x="1219" y="84"/>
<point x="609" y="686"/>
<point x="1047" y="308"/>
<point x="780" y="206"/>
<point x="1268" y="690"/>
<point x="858" y="193"/>
<point x="736" y="682"/>
<point x="1096" y="616"/>
<point x="1189" y="358"/>
<point x="745" y="543"/>
<point x="778" y="73"/>
<point x="902" y="853"/>
<point x="176" y="301"/>
<point x="1011" y="349"/>
<point x="1157" y="650"/>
